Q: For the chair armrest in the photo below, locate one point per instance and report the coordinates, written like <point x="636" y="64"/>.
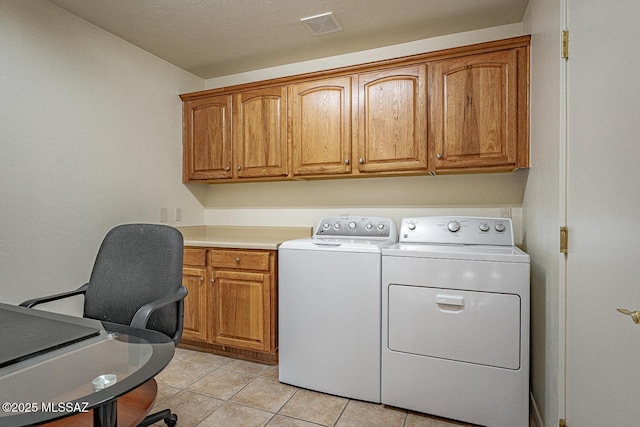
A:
<point x="141" y="317"/>
<point x="32" y="302"/>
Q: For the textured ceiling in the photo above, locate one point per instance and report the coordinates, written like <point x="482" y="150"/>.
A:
<point x="212" y="38"/>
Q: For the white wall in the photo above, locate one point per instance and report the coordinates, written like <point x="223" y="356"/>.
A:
<point x="543" y="206"/>
<point x="303" y="203"/>
<point x="362" y="57"/>
<point x="90" y="137"/>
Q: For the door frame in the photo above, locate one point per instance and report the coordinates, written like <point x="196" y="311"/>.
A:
<point x="562" y="276"/>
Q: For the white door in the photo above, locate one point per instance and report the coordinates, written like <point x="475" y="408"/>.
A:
<point x="603" y="213"/>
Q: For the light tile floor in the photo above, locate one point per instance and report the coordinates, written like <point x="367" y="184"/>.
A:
<point x="209" y="390"/>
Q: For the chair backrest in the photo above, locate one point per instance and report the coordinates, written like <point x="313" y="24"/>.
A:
<point x="137" y="264"/>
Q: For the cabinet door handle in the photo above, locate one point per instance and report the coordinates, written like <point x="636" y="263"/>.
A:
<point x="237" y="260"/>
<point x="228" y="168"/>
<point x="239" y="168"/>
<point x="346" y="161"/>
<point x="438" y="156"/>
<point x="361" y="160"/>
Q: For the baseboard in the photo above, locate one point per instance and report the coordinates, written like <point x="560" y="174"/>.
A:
<point x="537" y="418"/>
<point x="254" y="356"/>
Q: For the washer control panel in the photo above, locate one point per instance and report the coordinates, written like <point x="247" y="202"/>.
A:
<point x="457" y="230"/>
<point x="356" y="227"/>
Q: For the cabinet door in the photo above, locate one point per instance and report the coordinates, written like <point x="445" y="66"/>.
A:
<point x="474" y="110"/>
<point x="392" y="134"/>
<point x="260" y="138"/>
<point x="195" y="304"/>
<point x="207" y="138"/>
<point x="321" y="126"/>
<point x="242" y="309"/>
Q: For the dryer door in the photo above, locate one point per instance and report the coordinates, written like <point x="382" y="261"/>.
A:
<point x="466" y="326"/>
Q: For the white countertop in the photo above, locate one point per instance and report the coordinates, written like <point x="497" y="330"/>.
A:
<point x="241" y="237"/>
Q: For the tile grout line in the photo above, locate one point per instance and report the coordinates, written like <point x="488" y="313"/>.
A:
<point x="341" y="413"/>
<point x="267" y="374"/>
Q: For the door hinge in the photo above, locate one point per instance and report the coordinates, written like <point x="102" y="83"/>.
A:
<point x="562" y="423"/>
<point x="564" y="240"/>
<point x="565" y="44"/>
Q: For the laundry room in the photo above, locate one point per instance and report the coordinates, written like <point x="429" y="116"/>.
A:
<point x="489" y="118"/>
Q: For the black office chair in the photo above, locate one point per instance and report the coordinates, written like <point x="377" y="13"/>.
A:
<point x="137" y="281"/>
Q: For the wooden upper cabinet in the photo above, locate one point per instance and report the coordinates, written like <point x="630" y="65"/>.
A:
<point x="478" y="108"/>
<point x="321" y="126"/>
<point x="392" y="119"/>
<point x="207" y="138"/>
<point x="260" y="133"/>
<point x="464" y="109"/>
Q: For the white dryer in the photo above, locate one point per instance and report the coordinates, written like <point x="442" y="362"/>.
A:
<point x="455" y="321"/>
<point x="330" y="307"/>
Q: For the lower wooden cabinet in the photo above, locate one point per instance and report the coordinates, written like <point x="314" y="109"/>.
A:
<point x="241" y="303"/>
<point x="195" y="279"/>
<point x="195" y="306"/>
<point x="231" y="308"/>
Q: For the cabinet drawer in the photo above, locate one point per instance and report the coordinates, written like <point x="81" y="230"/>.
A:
<point x="250" y="260"/>
<point x="195" y="257"/>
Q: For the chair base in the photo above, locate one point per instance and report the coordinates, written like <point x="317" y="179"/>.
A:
<point x="169" y="419"/>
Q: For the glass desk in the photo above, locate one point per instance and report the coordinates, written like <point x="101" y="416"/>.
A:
<point x="60" y="382"/>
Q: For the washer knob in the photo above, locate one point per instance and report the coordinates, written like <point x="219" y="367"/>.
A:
<point x="336" y="226"/>
<point x="500" y="227"/>
<point x="411" y="226"/>
<point x="453" y="226"/>
<point x="369" y="226"/>
<point x="352" y="225"/>
<point x="326" y="226"/>
<point x="484" y="227"/>
<point x="380" y="227"/>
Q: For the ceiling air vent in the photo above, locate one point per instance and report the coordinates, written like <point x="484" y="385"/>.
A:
<point x="322" y="24"/>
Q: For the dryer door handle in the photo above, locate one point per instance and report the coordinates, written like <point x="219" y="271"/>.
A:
<point x="456" y="300"/>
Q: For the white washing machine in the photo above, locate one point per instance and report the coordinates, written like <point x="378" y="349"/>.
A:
<point x="455" y="334"/>
<point x="329" y="306"/>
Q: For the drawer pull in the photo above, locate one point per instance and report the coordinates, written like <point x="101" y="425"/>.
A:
<point x="237" y="260"/>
